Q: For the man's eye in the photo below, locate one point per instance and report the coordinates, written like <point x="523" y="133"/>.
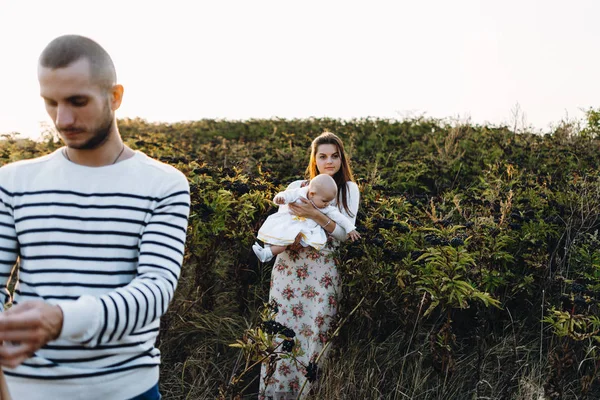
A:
<point x="79" y="103"/>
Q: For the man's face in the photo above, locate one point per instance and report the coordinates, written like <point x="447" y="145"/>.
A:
<point x="79" y="107"/>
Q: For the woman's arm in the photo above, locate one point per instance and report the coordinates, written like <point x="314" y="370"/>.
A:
<point x="353" y="200"/>
<point x="307" y="210"/>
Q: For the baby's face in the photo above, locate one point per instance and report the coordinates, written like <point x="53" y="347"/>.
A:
<point x="320" y="201"/>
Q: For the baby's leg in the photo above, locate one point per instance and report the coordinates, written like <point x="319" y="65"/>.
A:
<point x="277" y="249"/>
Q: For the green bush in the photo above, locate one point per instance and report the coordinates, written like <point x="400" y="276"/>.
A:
<point x="477" y="275"/>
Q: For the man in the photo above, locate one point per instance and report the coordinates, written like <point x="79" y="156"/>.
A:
<point x="99" y="230"/>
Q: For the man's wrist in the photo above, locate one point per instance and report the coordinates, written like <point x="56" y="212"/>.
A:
<point x="81" y="318"/>
<point x="58" y="321"/>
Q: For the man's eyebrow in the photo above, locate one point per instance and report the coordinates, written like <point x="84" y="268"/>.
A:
<point x="70" y="98"/>
<point x="77" y="97"/>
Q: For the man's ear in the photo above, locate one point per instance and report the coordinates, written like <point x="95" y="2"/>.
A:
<point x="116" y="97"/>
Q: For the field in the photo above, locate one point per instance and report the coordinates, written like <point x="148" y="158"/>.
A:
<point x="478" y="275"/>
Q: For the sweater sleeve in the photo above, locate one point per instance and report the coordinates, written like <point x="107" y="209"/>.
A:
<point x="93" y="321"/>
<point x="290" y="195"/>
<point x="9" y="248"/>
<point x="340" y="219"/>
<point x="353" y="200"/>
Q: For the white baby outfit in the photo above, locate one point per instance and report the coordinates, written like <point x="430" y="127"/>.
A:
<point x="281" y="228"/>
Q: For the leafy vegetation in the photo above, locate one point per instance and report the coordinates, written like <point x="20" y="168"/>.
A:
<point x="478" y="275"/>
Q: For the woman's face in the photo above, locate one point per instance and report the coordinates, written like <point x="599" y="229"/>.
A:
<point x="329" y="159"/>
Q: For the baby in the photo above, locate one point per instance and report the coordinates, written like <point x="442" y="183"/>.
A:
<point x="282" y="228"/>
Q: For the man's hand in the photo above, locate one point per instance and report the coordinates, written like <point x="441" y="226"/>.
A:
<point x="354" y="235"/>
<point x="25" y="328"/>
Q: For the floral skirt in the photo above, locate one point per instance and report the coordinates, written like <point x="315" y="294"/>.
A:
<point x="306" y="286"/>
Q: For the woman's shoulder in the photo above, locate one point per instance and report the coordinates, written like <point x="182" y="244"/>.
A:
<point x="352" y="186"/>
<point x="353" y="192"/>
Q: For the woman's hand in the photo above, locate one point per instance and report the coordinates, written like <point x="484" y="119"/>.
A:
<point x="305" y="209"/>
<point x="296" y="246"/>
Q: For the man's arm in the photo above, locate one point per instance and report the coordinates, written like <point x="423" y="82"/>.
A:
<point x="9" y="245"/>
<point x="9" y="252"/>
<point x="93" y="321"/>
<point x="99" y="320"/>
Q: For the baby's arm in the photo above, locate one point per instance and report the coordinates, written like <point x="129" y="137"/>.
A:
<point x="287" y="196"/>
<point x="279" y="198"/>
<point x="343" y="221"/>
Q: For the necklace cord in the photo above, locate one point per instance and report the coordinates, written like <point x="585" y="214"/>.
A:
<point x="114" y="162"/>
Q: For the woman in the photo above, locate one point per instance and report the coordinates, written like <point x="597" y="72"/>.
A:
<point x="304" y="281"/>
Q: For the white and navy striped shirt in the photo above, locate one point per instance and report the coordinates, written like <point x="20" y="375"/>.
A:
<point x="106" y="244"/>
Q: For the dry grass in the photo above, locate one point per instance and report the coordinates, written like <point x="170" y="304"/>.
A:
<point x="368" y="370"/>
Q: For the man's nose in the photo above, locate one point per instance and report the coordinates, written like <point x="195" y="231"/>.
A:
<point x="64" y="117"/>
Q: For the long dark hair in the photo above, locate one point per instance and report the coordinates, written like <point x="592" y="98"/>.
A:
<point x="342" y="176"/>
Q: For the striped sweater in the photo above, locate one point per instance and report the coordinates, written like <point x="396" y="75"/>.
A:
<point x="106" y="245"/>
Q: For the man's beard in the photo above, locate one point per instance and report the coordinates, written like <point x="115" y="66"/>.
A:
<point x="100" y="135"/>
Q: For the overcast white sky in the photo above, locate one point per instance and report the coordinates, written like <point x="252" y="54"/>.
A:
<point x="188" y="60"/>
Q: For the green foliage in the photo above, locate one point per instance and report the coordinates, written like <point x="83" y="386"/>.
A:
<point x="444" y="277"/>
<point x="479" y="250"/>
<point x="592" y="128"/>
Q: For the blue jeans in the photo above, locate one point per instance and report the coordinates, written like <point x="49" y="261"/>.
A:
<point x="152" y="394"/>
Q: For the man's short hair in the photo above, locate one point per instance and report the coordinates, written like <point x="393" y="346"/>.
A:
<point x="65" y="50"/>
